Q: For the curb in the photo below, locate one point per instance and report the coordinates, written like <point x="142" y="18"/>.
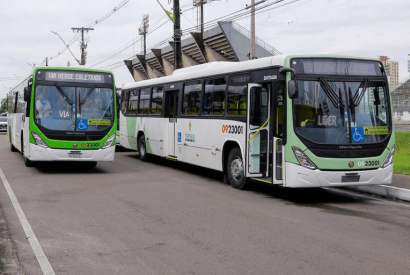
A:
<point x="385" y="191"/>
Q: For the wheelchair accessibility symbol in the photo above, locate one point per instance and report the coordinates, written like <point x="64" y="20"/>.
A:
<point x="82" y="124"/>
<point x="357" y="134"/>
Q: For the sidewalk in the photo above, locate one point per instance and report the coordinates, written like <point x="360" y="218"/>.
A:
<point x="399" y="188"/>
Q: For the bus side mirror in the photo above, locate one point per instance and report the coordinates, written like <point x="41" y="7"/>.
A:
<point x="293" y="89"/>
<point x="26" y="94"/>
<point x="284" y="70"/>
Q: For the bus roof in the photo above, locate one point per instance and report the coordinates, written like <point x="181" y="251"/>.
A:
<point x="222" y="67"/>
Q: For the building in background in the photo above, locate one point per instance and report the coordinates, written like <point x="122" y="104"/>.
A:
<point x="228" y="41"/>
<point x="408" y="65"/>
<point x="392" y="71"/>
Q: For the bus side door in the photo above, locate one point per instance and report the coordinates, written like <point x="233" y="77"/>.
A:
<point x="257" y="131"/>
<point x="171" y="113"/>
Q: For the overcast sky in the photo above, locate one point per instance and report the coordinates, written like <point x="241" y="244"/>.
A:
<point x="367" y="28"/>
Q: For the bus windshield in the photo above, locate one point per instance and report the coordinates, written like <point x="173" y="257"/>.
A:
<point x="338" y="112"/>
<point x="73" y="108"/>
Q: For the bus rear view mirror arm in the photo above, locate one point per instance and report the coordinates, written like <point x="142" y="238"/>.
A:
<point x="293" y="89"/>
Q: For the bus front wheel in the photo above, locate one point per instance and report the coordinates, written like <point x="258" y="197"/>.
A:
<point x="235" y="169"/>
<point x="27" y="162"/>
<point x="142" y="148"/>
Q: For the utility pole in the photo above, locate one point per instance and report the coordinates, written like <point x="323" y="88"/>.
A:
<point x="143" y="30"/>
<point x="201" y="3"/>
<point x="83" y="45"/>
<point x="253" y="36"/>
<point x="177" y="36"/>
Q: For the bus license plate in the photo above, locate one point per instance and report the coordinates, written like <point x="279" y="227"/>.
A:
<point x="75" y="155"/>
<point x="353" y="178"/>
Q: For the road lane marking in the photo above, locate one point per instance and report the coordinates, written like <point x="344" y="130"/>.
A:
<point x="35" y="245"/>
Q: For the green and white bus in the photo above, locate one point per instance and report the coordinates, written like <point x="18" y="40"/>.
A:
<point x="294" y="121"/>
<point x="64" y="114"/>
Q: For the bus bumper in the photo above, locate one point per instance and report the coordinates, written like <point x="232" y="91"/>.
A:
<point x="38" y="153"/>
<point x="302" y="177"/>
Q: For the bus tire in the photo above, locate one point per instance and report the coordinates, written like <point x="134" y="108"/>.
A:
<point x="91" y="164"/>
<point x="27" y="162"/>
<point x="235" y="169"/>
<point x="142" y="148"/>
<point x="12" y="148"/>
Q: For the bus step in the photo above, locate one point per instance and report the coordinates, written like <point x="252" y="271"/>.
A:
<point x="266" y="180"/>
<point x="173" y="158"/>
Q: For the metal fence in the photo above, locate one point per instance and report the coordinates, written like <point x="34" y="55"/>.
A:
<point x="258" y="41"/>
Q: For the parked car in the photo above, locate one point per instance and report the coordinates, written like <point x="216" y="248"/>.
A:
<point x="3" y="124"/>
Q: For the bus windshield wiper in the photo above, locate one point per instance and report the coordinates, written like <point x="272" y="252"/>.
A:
<point x="354" y="101"/>
<point x="358" y="97"/>
<point x="65" y="96"/>
<point x="87" y="95"/>
<point x="331" y="94"/>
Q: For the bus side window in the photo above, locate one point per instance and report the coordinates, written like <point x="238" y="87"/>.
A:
<point x="237" y="95"/>
<point x="214" y="97"/>
<point x="144" y="101"/>
<point x="191" y="104"/>
<point x="133" y="102"/>
<point x="10" y="103"/>
<point x="157" y="100"/>
<point x="124" y="101"/>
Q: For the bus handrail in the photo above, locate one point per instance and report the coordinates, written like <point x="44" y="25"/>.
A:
<point x="260" y="128"/>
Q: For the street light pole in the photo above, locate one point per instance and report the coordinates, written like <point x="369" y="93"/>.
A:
<point x="67" y="47"/>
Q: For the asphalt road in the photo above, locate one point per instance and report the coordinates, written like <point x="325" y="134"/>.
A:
<point x="160" y="217"/>
<point x="402" y="127"/>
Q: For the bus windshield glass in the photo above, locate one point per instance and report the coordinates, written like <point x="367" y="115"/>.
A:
<point x="337" y="112"/>
<point x="73" y="108"/>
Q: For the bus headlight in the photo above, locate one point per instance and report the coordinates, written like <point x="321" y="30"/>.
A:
<point x="389" y="158"/>
<point x="108" y="143"/>
<point x="38" y="140"/>
<point x="303" y="159"/>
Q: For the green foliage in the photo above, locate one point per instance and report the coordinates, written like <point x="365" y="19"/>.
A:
<point x="3" y="107"/>
<point x="402" y="154"/>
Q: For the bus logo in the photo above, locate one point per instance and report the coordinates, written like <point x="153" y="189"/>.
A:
<point x="351" y="164"/>
<point x="75" y="145"/>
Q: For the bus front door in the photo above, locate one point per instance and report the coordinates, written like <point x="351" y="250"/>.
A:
<point x="257" y="131"/>
<point x="172" y="103"/>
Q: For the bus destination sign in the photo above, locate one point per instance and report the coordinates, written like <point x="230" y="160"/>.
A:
<point x="336" y="67"/>
<point x="74" y="76"/>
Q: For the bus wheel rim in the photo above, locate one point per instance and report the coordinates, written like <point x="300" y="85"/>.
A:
<point x="236" y="168"/>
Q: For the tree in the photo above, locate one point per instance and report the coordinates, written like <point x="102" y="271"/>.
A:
<point x="3" y="107"/>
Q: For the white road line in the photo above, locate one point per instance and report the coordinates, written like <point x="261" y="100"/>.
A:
<point x="35" y="245"/>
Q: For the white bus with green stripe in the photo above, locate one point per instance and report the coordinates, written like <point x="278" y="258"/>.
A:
<point x="294" y="121"/>
<point x="64" y="114"/>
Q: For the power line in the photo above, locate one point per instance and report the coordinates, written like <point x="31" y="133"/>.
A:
<point x="122" y="4"/>
<point x="240" y="14"/>
<point x="89" y="26"/>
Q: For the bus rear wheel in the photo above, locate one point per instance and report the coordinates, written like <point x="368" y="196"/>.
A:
<point x="142" y="148"/>
<point x="235" y="169"/>
<point x="12" y="148"/>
